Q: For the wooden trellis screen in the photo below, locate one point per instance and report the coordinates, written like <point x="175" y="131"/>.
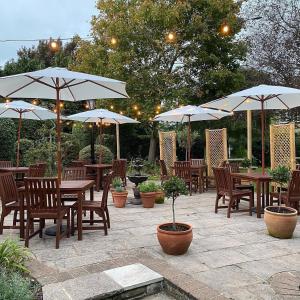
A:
<point x="167" y="147"/>
<point x="216" y="148"/>
<point x="282" y="145"/>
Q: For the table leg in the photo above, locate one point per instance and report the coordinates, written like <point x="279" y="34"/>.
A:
<point x="98" y="180"/>
<point x="91" y="212"/>
<point x="206" y="174"/>
<point x="79" y="216"/>
<point x="267" y="193"/>
<point x="258" y="200"/>
<point x="22" y="222"/>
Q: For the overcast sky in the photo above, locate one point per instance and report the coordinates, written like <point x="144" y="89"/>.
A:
<point x="40" y="19"/>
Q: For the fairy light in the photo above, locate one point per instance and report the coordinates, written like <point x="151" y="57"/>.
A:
<point x="87" y="106"/>
<point x="54" y="45"/>
<point x="90" y="125"/>
<point x="150" y="119"/>
<point x="248" y="101"/>
<point x="158" y="107"/>
<point x="55" y="110"/>
<point x="111" y="107"/>
<point x="135" y="107"/>
<point x="157" y="112"/>
<point x="121" y="113"/>
<point x="225" y="28"/>
<point x="7" y="100"/>
<point x="113" y="41"/>
<point x="139" y="113"/>
<point x="34" y="102"/>
<point x="61" y="104"/>
<point x="171" y="37"/>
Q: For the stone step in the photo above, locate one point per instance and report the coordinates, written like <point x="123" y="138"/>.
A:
<point x="133" y="280"/>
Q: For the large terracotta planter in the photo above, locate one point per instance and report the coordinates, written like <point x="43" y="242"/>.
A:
<point x="280" y="225"/>
<point x="160" y="197"/>
<point x="120" y="198"/>
<point x="174" y="242"/>
<point x="148" y="199"/>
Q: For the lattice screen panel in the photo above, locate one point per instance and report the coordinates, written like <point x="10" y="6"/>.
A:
<point x="282" y="145"/>
<point x="167" y="147"/>
<point x="216" y="148"/>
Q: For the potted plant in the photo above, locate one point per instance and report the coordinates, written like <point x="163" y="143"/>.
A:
<point x="160" y="195"/>
<point x="246" y="164"/>
<point x="148" y="193"/>
<point x="119" y="193"/>
<point x="280" y="220"/>
<point x="174" y="238"/>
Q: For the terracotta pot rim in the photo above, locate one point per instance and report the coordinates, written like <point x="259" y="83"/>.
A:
<point x="148" y="193"/>
<point x="175" y="232"/>
<point x="293" y="212"/>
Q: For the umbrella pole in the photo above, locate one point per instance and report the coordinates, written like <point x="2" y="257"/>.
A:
<point x="58" y="131"/>
<point x="189" y="139"/>
<point x="118" y="140"/>
<point x="100" y="141"/>
<point x="19" y="137"/>
<point x="262" y="137"/>
<point x="92" y="144"/>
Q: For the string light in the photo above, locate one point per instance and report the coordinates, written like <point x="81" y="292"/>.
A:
<point x="61" y="104"/>
<point x="87" y="106"/>
<point x="139" y="113"/>
<point x="90" y="125"/>
<point x="55" y="110"/>
<point x="54" y="45"/>
<point x="150" y="119"/>
<point x="225" y="28"/>
<point x="34" y="102"/>
<point x="171" y="37"/>
<point x="158" y="107"/>
<point x="113" y="41"/>
<point x="121" y="113"/>
<point x="180" y="105"/>
<point x="248" y="101"/>
<point x="7" y="100"/>
<point x="157" y="112"/>
<point x="135" y="107"/>
<point x="111" y="107"/>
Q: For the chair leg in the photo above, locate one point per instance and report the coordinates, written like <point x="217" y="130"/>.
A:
<point x="15" y="218"/>
<point x="251" y="200"/>
<point x="102" y="214"/>
<point x="217" y="203"/>
<point x="72" y="222"/>
<point x="41" y="228"/>
<point x="28" y="226"/>
<point x="107" y="217"/>
<point x="68" y="223"/>
<point x="58" y="233"/>
<point x="231" y="201"/>
<point x="2" y="222"/>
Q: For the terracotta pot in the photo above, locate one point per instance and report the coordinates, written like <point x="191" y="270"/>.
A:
<point x="148" y="199"/>
<point x="119" y="198"/>
<point x="280" y="225"/>
<point x="160" y="197"/>
<point x="174" y="242"/>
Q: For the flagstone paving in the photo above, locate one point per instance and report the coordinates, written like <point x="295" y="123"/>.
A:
<point x="233" y="258"/>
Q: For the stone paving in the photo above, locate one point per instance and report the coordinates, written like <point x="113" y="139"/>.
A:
<point x="228" y="258"/>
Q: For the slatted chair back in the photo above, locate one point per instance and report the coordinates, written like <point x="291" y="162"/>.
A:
<point x="197" y="162"/>
<point x="294" y="187"/>
<point x="8" y="188"/>
<point x="107" y="182"/>
<point x="223" y="181"/>
<point x="6" y="164"/>
<point x="183" y="170"/>
<point x="42" y="193"/>
<point x="119" y="167"/>
<point x="163" y="168"/>
<point x="233" y="167"/>
<point x="74" y="173"/>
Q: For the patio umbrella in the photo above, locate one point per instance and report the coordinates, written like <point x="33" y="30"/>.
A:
<point x="102" y="116"/>
<point x="190" y="113"/>
<point x="60" y="84"/>
<point x="23" y="110"/>
<point x="260" y="97"/>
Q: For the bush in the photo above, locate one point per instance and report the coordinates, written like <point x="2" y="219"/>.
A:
<point x="85" y="153"/>
<point x="25" y="145"/>
<point x="82" y="134"/>
<point x="117" y="182"/>
<point x="13" y="256"/>
<point x="69" y="148"/>
<point x="14" y="286"/>
<point x="148" y="187"/>
<point x="7" y="138"/>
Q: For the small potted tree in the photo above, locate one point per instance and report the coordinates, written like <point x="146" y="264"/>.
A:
<point x="119" y="193"/>
<point x="280" y="220"/>
<point x="148" y="193"/>
<point x="174" y="238"/>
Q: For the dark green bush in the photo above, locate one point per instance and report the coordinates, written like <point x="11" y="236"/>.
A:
<point x="69" y="148"/>
<point x="85" y="153"/>
<point x="25" y="145"/>
<point x="7" y="138"/>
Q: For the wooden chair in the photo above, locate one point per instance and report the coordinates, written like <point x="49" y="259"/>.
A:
<point x="6" y="164"/>
<point x="163" y="171"/>
<point x="183" y="170"/>
<point x="225" y="188"/>
<point x="202" y="178"/>
<point x="43" y="200"/>
<point x="292" y="196"/>
<point x="9" y="199"/>
<point x="99" y="207"/>
<point x="72" y="173"/>
<point x="119" y="169"/>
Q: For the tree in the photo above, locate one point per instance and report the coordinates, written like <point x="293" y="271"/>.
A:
<point x="7" y="138"/>
<point x="168" y="52"/>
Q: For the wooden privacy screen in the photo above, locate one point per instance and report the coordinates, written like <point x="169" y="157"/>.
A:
<point x="167" y="147"/>
<point x="216" y="148"/>
<point x="282" y="145"/>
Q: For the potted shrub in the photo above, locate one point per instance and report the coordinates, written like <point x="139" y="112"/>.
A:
<point x="160" y="195"/>
<point x="280" y="220"/>
<point x="119" y="193"/>
<point x="148" y="193"/>
<point x="174" y="238"/>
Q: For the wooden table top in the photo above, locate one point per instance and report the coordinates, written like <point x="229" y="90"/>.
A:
<point x="253" y="176"/>
<point x="76" y="185"/>
<point x="99" y="166"/>
<point x="16" y="169"/>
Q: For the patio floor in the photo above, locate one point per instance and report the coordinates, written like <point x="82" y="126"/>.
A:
<point x="233" y="258"/>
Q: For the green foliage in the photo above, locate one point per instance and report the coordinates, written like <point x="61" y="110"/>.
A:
<point x="182" y="136"/>
<point x="117" y="182"/>
<point x="70" y="148"/>
<point x="81" y="134"/>
<point x="14" y="286"/>
<point x="245" y="163"/>
<point x="85" y="153"/>
<point x="7" y="138"/>
<point x="148" y="187"/>
<point x="174" y="187"/>
<point x="13" y="256"/>
<point x="119" y="189"/>
<point x="25" y="145"/>
<point x="281" y="174"/>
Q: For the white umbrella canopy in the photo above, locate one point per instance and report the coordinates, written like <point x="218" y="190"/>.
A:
<point x="103" y="116"/>
<point x="190" y="113"/>
<point x="260" y="97"/>
<point x="62" y="85"/>
<point x="23" y="110"/>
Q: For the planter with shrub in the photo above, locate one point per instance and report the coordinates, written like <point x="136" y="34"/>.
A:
<point x="280" y="220"/>
<point x="119" y="193"/>
<point x="174" y="238"/>
<point x="160" y="196"/>
<point x="148" y="193"/>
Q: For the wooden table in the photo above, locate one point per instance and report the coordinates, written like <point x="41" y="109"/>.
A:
<point x="262" y="182"/>
<point x="99" y="168"/>
<point x="78" y="187"/>
<point x="16" y="170"/>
